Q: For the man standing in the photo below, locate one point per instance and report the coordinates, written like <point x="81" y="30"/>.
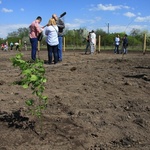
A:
<point x="117" y="42"/>
<point x="92" y="41"/>
<point x="61" y="27"/>
<point x="11" y="46"/>
<point x="17" y="46"/>
<point x="34" y="32"/>
<point x="88" y="43"/>
<point x="125" y="44"/>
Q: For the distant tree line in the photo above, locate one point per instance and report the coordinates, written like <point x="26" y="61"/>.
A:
<point x="77" y="37"/>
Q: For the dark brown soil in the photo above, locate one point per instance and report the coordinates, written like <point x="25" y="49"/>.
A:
<point x="95" y="102"/>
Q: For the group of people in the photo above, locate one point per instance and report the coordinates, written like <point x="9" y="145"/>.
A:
<point x="5" y="46"/>
<point x="124" y="44"/>
<point x="54" y="35"/>
<point x="91" y="42"/>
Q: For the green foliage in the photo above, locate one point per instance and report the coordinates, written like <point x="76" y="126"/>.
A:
<point x="76" y="38"/>
<point x="1" y="40"/>
<point x="12" y="39"/>
<point x="33" y="78"/>
<point x="20" y="33"/>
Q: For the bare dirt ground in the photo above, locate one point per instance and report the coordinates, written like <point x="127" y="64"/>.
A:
<point x="95" y="102"/>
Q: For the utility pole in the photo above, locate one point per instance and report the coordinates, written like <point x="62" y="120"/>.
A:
<point x="107" y="24"/>
<point x="108" y="27"/>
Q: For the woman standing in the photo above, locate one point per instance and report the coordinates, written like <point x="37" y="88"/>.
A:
<point x="51" y="32"/>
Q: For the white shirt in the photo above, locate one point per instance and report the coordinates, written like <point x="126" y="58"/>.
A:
<point x="93" y="38"/>
<point x="52" y="35"/>
<point x="117" y="40"/>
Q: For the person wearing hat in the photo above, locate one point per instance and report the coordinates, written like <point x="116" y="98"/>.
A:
<point x="92" y="41"/>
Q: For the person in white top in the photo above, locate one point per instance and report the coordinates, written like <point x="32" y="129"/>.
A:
<point x="117" y="43"/>
<point x="51" y="32"/>
<point x="92" y="41"/>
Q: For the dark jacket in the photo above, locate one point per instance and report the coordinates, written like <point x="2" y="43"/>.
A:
<point x="61" y="26"/>
<point x="125" y="42"/>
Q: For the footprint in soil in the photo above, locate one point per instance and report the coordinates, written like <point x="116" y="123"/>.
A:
<point x="16" y="120"/>
<point x="2" y="82"/>
<point x="98" y="147"/>
<point x="125" y="142"/>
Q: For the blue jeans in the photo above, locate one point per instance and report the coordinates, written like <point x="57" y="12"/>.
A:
<point x="87" y="46"/>
<point x="60" y="48"/>
<point x="116" y="50"/>
<point x="34" y="43"/>
<point x="125" y="49"/>
<point x="52" y="51"/>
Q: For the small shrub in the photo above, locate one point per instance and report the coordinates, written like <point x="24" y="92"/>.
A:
<point x="33" y="78"/>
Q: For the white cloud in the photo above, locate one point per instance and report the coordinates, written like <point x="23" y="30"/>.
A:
<point x="72" y="25"/>
<point x="21" y="9"/>
<point x="5" y="29"/>
<point x="6" y="10"/>
<point x="82" y="21"/>
<point x="123" y="28"/>
<point x="87" y="21"/>
<point x="79" y="23"/>
<point x="142" y="19"/>
<point x="108" y="7"/>
<point x="91" y="24"/>
<point x="129" y="14"/>
<point x="112" y="28"/>
<point x="97" y="18"/>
